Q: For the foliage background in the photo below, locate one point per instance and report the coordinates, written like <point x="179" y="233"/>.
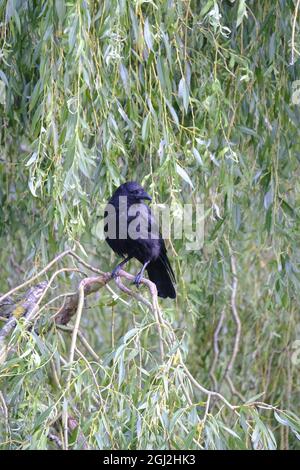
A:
<point x="193" y="99"/>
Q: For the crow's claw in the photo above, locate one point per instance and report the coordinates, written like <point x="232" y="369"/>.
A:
<point x="115" y="272"/>
<point x="137" y="279"/>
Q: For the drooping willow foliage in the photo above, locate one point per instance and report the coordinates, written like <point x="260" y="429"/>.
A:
<point x="198" y="101"/>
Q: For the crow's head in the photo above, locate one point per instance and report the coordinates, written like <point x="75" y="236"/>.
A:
<point x="133" y="190"/>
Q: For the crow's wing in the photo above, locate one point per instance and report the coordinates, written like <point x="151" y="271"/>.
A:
<point x="148" y="220"/>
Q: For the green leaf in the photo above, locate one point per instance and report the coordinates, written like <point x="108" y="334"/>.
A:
<point x="32" y="159"/>
<point x="31" y="186"/>
<point x="60" y="7"/>
<point x="242" y="12"/>
<point x="148" y="35"/>
<point x="197" y="156"/>
<point x="184" y="175"/>
<point x="173" y="112"/>
<point x="146" y="127"/>
<point x="2" y="93"/>
<point x="183" y="93"/>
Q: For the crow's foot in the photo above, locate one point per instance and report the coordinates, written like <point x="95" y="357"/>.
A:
<point x="137" y="279"/>
<point x="115" y="272"/>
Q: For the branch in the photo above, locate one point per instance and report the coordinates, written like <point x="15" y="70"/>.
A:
<point x="23" y="308"/>
<point x="237" y="321"/>
<point x="90" y="285"/>
<point x="234" y="314"/>
<point x="216" y="349"/>
<point x="74" y="304"/>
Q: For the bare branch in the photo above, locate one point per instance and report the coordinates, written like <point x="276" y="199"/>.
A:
<point x="216" y="348"/>
<point x="90" y="285"/>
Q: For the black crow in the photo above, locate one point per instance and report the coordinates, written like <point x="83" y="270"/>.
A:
<point x="130" y="229"/>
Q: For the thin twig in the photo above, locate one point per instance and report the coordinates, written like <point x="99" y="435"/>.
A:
<point x="82" y="339"/>
<point x="153" y="307"/>
<point x="71" y="358"/>
<point x="35" y="312"/>
<point x="235" y="314"/>
<point x="237" y="321"/>
<point x="216" y="348"/>
<point x="36" y="276"/>
<point x="5" y="413"/>
<point x="76" y="326"/>
<point x="205" y="390"/>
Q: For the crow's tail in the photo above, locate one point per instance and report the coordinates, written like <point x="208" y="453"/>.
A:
<point x="161" y="273"/>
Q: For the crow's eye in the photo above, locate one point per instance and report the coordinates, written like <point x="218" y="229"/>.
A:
<point x="135" y="191"/>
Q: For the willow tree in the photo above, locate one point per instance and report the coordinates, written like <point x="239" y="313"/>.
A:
<point x="197" y="100"/>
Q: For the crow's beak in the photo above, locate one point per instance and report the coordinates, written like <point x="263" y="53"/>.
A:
<point x="145" y="195"/>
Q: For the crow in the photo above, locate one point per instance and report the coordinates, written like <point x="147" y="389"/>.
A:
<point x="130" y="229"/>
